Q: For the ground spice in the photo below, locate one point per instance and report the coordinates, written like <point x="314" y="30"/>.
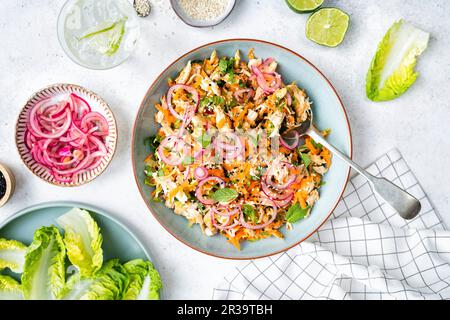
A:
<point x="2" y="185"/>
<point x="204" y="9"/>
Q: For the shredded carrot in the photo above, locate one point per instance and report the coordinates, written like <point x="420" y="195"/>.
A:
<point x="167" y="115"/>
<point x="311" y="147"/>
<point x="148" y="159"/>
<point x="218" y="173"/>
<point x="326" y="155"/>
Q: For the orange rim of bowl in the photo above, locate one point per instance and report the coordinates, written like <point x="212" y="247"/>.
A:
<point x="270" y="44"/>
<point x="37" y="169"/>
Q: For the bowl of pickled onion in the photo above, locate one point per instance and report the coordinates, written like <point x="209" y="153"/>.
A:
<point x="66" y="135"/>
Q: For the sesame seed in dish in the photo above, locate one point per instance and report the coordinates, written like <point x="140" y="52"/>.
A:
<point x="204" y="10"/>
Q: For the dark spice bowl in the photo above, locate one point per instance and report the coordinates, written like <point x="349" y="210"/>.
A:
<point x="201" y="23"/>
<point x="7" y="184"/>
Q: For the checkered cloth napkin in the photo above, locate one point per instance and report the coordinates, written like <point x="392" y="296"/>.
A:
<point x="365" y="251"/>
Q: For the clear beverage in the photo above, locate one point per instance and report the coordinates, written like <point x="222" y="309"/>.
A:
<point x="98" y="34"/>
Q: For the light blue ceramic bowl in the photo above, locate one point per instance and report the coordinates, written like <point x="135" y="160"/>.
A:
<point x="328" y="113"/>
<point x="118" y="241"/>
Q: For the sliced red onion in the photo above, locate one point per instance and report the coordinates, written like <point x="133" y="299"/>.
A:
<point x="262" y="83"/>
<point x="187" y="171"/>
<point x="293" y="145"/>
<point x="191" y="90"/>
<point x="186" y="121"/>
<point x="200" y="173"/>
<point x="289" y="99"/>
<point x="36" y="130"/>
<point x="272" y="194"/>
<point x="199" y="191"/>
<point x="56" y="142"/>
<point x="228" y="212"/>
<point x="177" y="149"/>
<point x="65" y="152"/>
<point x="94" y="120"/>
<point x="285" y="202"/>
<point x="226" y="225"/>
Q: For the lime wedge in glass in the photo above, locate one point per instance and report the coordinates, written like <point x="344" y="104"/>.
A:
<point x="304" y="6"/>
<point x="327" y="26"/>
<point x="107" y="39"/>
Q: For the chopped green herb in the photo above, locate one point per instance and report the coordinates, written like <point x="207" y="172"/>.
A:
<point x="296" y="213"/>
<point x="223" y="65"/>
<point x="212" y="100"/>
<point x="316" y="145"/>
<point x="148" y="171"/>
<point x="249" y="213"/>
<point x="153" y="142"/>
<point x="149" y="182"/>
<point x="306" y="159"/>
<point x="188" y="161"/>
<point x="225" y="195"/>
<point x="205" y="140"/>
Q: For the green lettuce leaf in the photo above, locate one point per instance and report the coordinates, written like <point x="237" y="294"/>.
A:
<point x="10" y="289"/>
<point x="392" y="70"/>
<point x="145" y="282"/>
<point x="12" y="255"/>
<point x="83" y="240"/>
<point x="43" y="273"/>
<point x="108" y="283"/>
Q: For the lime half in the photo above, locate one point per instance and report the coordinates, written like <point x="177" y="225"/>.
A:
<point x="327" y="27"/>
<point x="304" y="6"/>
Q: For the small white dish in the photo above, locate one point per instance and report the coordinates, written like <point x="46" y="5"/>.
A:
<point x="181" y="13"/>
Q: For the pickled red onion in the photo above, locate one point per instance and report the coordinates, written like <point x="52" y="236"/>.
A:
<point x="56" y="141"/>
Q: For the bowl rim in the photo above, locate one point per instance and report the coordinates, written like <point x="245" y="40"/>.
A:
<point x="230" y="41"/>
<point x="213" y="24"/>
<point x="84" y="90"/>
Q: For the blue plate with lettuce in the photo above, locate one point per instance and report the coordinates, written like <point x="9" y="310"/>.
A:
<point x="70" y="251"/>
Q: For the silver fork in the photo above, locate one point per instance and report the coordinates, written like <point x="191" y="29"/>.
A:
<point x="404" y="203"/>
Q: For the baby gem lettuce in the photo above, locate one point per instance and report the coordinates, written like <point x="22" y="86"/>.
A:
<point x="83" y="240"/>
<point x="392" y="70"/>
<point x="46" y="276"/>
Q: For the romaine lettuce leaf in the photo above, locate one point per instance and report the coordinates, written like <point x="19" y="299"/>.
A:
<point x="43" y="273"/>
<point x="83" y="240"/>
<point x="12" y="255"/>
<point x="108" y="283"/>
<point x="145" y="281"/>
<point x="10" y="289"/>
<point x="392" y="70"/>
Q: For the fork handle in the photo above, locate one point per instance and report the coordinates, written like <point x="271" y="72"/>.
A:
<point x="404" y="203"/>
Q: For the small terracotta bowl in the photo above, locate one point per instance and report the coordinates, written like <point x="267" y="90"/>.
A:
<point x="10" y="184"/>
<point x="97" y="104"/>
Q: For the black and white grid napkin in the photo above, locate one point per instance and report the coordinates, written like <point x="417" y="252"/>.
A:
<point x="364" y="251"/>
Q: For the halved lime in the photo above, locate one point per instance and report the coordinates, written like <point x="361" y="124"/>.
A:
<point x="327" y="26"/>
<point x="304" y="6"/>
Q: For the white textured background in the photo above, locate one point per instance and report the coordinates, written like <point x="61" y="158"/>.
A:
<point x="418" y="123"/>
